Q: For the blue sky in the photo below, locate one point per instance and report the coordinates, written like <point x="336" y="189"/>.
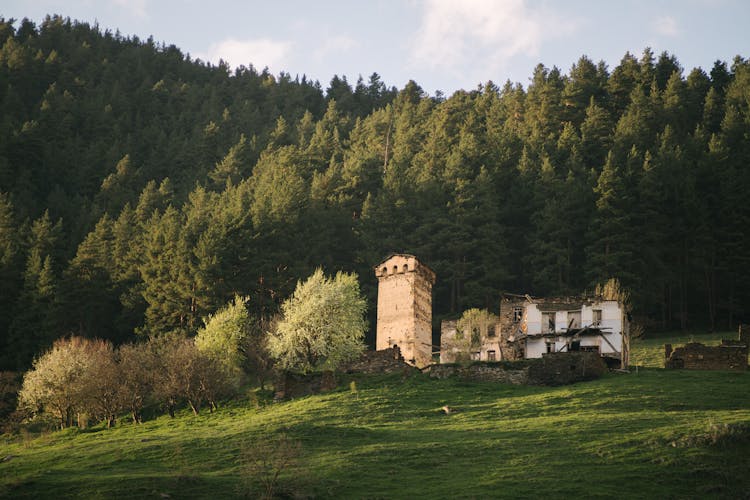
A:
<point x="441" y="44"/>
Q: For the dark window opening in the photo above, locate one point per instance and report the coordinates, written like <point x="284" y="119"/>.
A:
<point x="548" y="322"/>
<point x="476" y="337"/>
<point x="517" y="314"/>
<point x="491" y="356"/>
<point x="491" y="331"/>
<point x="574" y="320"/>
<point x="597" y="317"/>
<point x="551" y="347"/>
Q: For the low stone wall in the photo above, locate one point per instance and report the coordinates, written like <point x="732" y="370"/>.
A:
<point x="730" y="355"/>
<point x="290" y="385"/>
<point x="553" y="369"/>
<point x="563" y="368"/>
<point x="383" y="361"/>
<point x="480" y="371"/>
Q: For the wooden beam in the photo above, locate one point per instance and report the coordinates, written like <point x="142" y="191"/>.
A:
<point x="609" y="343"/>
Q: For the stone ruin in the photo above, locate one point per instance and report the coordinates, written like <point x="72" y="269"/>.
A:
<point x="289" y="385"/>
<point x="729" y="355"/>
<point x="551" y="369"/>
<point x="386" y="361"/>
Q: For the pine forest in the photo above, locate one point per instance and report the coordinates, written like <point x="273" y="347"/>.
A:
<point x="141" y="190"/>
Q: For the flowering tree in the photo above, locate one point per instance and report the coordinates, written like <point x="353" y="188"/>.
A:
<point x="322" y="324"/>
<point x="54" y="384"/>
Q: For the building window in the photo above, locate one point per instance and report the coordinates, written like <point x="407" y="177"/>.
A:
<point x="491" y="356"/>
<point x="550" y="347"/>
<point x="406" y="267"/>
<point x="475" y="356"/>
<point x="597" y="317"/>
<point x="548" y="322"/>
<point x="385" y="270"/>
<point x="491" y="331"/>
<point x="476" y="337"/>
<point x="574" y="320"/>
<point x="517" y="314"/>
<point x="395" y="269"/>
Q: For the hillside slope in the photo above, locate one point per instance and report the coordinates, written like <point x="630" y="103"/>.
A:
<point x="657" y="434"/>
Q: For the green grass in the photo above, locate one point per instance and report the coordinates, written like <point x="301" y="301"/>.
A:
<point x="655" y="434"/>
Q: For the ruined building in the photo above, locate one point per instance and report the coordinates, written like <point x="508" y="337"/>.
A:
<point x="529" y="327"/>
<point x="478" y="339"/>
<point x="729" y="355"/>
<point x="405" y="308"/>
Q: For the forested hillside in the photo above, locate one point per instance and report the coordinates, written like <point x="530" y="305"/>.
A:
<point x="140" y="190"/>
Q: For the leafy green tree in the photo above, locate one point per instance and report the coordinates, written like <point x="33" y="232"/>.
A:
<point x="225" y="332"/>
<point x="322" y="324"/>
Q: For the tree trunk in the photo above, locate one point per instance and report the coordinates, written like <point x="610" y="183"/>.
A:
<point x="194" y="407"/>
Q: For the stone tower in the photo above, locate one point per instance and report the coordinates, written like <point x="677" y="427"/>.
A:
<point x="405" y="307"/>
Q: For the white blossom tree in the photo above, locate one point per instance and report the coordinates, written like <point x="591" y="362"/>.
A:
<point x="322" y="324"/>
<point x="53" y="385"/>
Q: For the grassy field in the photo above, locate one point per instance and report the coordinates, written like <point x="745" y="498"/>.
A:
<point x="655" y="434"/>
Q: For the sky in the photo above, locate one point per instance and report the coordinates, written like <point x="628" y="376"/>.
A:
<point x="443" y="45"/>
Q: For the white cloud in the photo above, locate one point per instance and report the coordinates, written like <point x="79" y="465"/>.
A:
<point x="260" y="53"/>
<point x="334" y="44"/>
<point x="135" y="7"/>
<point x="666" y="26"/>
<point x="459" y="34"/>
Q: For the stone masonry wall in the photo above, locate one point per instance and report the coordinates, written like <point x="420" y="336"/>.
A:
<point x="290" y="385"/>
<point x="552" y="369"/>
<point x="385" y="361"/>
<point x="404" y="313"/>
<point x="730" y="355"/>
